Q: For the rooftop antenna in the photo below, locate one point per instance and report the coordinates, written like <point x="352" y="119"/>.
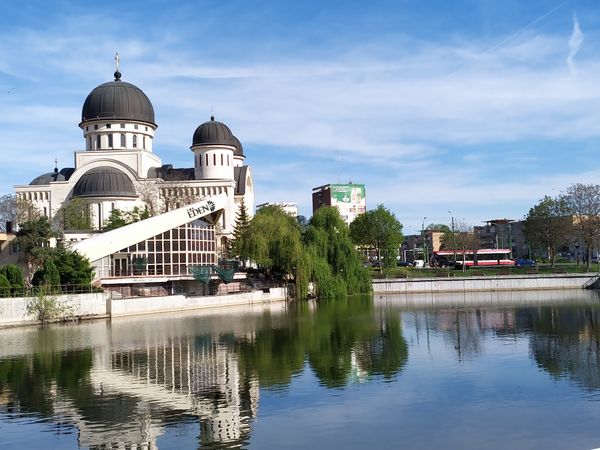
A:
<point x="212" y="114"/>
<point x="55" y="165"/>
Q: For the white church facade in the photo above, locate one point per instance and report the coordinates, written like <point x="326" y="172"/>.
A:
<point x="119" y="170"/>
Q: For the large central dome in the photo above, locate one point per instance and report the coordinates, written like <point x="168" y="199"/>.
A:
<point x="118" y="100"/>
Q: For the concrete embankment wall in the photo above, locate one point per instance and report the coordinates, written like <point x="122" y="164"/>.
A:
<point x="481" y="284"/>
<point x="13" y="311"/>
<point x="149" y="305"/>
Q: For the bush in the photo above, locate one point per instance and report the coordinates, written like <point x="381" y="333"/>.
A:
<point x="4" y="286"/>
<point x="45" y="308"/>
<point x="48" y="277"/>
<point x="14" y="275"/>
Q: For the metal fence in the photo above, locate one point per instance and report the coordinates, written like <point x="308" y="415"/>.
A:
<point x="34" y="291"/>
<point x="197" y="290"/>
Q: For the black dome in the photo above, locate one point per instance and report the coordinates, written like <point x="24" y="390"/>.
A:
<point x="104" y="182"/>
<point x="117" y="100"/>
<point x="213" y="133"/>
<point x="239" y="150"/>
<point x="47" y="178"/>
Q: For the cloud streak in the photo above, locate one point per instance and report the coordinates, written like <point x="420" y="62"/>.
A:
<point x="575" y="42"/>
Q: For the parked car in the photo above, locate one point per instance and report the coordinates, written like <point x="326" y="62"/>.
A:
<point x="524" y="262"/>
<point x="418" y="263"/>
<point x="404" y="264"/>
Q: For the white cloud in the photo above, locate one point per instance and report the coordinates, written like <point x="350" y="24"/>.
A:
<point x="395" y="107"/>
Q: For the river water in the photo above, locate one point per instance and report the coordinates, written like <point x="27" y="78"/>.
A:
<point x="489" y="370"/>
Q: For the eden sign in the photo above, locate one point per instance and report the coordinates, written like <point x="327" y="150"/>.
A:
<point x="201" y="210"/>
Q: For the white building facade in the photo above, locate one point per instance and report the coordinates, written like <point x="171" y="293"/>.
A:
<point x="119" y="170"/>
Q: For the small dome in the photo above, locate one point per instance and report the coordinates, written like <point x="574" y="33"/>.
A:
<point x="239" y="150"/>
<point x="47" y="178"/>
<point x="213" y="133"/>
<point x="104" y="182"/>
<point x="117" y="100"/>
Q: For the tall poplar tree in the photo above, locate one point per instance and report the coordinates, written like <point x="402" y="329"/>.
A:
<point x="242" y="221"/>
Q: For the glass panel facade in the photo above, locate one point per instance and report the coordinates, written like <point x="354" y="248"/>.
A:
<point x="170" y="253"/>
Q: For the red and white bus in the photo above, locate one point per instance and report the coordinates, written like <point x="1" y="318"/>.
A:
<point x="474" y="258"/>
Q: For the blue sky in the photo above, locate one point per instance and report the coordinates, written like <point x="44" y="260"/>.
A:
<point x="475" y="107"/>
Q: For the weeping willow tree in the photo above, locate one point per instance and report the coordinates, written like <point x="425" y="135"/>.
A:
<point x="337" y="267"/>
<point x="273" y="241"/>
<point x="326" y="256"/>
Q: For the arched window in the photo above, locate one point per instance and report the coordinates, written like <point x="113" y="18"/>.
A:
<point x="207" y="159"/>
<point x="123" y="142"/>
<point x="89" y="143"/>
<point x="200" y="160"/>
<point x="110" y="141"/>
<point x="221" y="158"/>
<point x="98" y="146"/>
<point x="228" y="160"/>
<point x="134" y="141"/>
<point x="144" y="146"/>
<point x="214" y="159"/>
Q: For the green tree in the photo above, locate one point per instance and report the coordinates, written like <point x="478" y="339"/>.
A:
<point x="242" y="221"/>
<point x="583" y="203"/>
<point x="273" y="241"/>
<point x="325" y="257"/>
<point x="119" y="218"/>
<point x="73" y="215"/>
<point x="4" y="286"/>
<point x="116" y="219"/>
<point x="47" y="277"/>
<point x="337" y="268"/>
<point x="33" y="241"/>
<point x="460" y="240"/>
<point x="74" y="270"/>
<point x="380" y="230"/>
<point x="14" y="275"/>
<point x="548" y="225"/>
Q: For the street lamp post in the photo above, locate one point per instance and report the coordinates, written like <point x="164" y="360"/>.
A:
<point x="453" y="237"/>
<point x="423" y="236"/>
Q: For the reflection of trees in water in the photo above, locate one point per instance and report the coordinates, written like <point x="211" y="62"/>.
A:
<point x="566" y="343"/>
<point x="129" y="395"/>
<point x="464" y="328"/>
<point x="28" y="384"/>
<point x="564" y="340"/>
<point x="340" y="339"/>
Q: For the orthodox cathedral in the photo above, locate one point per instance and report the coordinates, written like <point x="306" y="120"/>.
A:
<point x="193" y="209"/>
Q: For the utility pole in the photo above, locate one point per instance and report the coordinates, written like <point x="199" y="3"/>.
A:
<point x="453" y="238"/>
<point x="424" y="242"/>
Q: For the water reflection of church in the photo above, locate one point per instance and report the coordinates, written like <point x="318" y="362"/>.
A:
<point x="176" y="377"/>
